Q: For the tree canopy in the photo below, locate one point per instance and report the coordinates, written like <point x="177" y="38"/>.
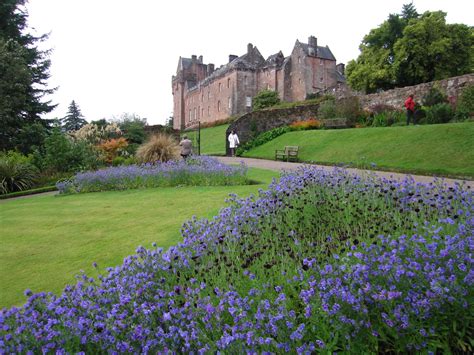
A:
<point x="409" y="49"/>
<point x="24" y="71"/>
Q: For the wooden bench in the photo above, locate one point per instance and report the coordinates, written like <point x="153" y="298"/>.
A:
<point x="290" y="153"/>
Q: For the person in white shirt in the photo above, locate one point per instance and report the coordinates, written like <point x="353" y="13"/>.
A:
<point x="233" y="142"/>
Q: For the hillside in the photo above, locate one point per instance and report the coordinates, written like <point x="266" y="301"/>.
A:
<point x="445" y="150"/>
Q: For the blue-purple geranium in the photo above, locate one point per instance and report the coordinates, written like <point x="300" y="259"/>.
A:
<point x="197" y="170"/>
<point x="321" y="261"/>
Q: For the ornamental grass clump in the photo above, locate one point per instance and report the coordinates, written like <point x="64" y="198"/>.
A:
<point x="195" y="171"/>
<point x="159" y="148"/>
<point x="320" y="262"/>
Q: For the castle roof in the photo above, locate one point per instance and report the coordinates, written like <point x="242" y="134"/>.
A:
<point x="274" y="60"/>
<point x="322" y="52"/>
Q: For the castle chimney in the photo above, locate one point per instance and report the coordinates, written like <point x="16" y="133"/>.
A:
<point x="193" y="58"/>
<point x="200" y="59"/>
<point x="210" y="69"/>
<point x="313" y="42"/>
<point x="340" y="68"/>
<point x="249" y="48"/>
<point x="232" y="57"/>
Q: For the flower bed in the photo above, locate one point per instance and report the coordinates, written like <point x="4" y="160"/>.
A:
<point x="195" y="171"/>
<point x="319" y="262"/>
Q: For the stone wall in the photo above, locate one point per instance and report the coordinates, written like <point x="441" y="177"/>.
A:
<point x="253" y="123"/>
<point x="452" y="87"/>
<point x="257" y="122"/>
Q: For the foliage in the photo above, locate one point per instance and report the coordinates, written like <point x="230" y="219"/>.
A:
<point x="433" y="50"/>
<point x="194" y="171"/>
<point x="349" y="108"/>
<point x="97" y="133"/>
<point x="74" y="119"/>
<point x="409" y="49"/>
<point x="24" y="70"/>
<point x="133" y="127"/>
<point x="264" y="99"/>
<point x="327" y="109"/>
<point x="16" y="172"/>
<point x="439" y="113"/>
<point x="117" y="161"/>
<point x="465" y="104"/>
<point x="63" y="154"/>
<point x="112" y="148"/>
<point x="312" y="123"/>
<point x="321" y="261"/>
<point x="434" y="96"/>
<point x="262" y="138"/>
<point x="158" y="148"/>
<point x="383" y="115"/>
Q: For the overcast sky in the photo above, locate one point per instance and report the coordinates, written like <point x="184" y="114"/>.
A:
<point x="116" y="56"/>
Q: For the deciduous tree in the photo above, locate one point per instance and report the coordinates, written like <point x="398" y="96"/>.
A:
<point x="409" y="49"/>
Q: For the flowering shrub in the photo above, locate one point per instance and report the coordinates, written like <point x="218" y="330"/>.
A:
<point x="320" y="262"/>
<point x="204" y="171"/>
<point x="111" y="148"/>
<point x="312" y="123"/>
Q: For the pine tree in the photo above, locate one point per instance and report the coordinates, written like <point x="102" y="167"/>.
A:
<point x="24" y="71"/>
<point x="74" y="119"/>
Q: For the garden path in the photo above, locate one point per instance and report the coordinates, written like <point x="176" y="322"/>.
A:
<point x="288" y="166"/>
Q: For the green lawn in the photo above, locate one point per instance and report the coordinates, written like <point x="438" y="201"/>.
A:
<point x="445" y="149"/>
<point x="213" y="140"/>
<point x="46" y="240"/>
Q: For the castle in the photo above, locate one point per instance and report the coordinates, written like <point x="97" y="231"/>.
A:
<point x="204" y="94"/>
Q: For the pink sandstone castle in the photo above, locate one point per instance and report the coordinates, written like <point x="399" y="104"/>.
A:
<point x="204" y="94"/>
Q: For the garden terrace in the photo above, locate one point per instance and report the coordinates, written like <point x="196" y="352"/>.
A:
<point x="321" y="261"/>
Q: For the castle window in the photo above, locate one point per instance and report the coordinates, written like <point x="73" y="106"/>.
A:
<point x="321" y="79"/>
<point x="229" y="102"/>
<point x="245" y="80"/>
<point x="220" y="87"/>
<point x="202" y="112"/>
<point x="202" y="97"/>
<point x="208" y="95"/>
<point x="228" y="83"/>
<point x="299" y="81"/>
<point x="299" y="60"/>
<point x="195" y="116"/>
<point x="189" y="119"/>
<point x="218" y="106"/>
<point x="321" y="62"/>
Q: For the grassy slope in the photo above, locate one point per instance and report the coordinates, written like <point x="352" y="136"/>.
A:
<point x="46" y="240"/>
<point x="446" y="149"/>
<point x="213" y="140"/>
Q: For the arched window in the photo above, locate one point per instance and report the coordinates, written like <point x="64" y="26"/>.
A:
<point x="218" y="106"/>
<point x="228" y="83"/>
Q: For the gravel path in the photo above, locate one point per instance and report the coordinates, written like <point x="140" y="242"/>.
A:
<point x="281" y="165"/>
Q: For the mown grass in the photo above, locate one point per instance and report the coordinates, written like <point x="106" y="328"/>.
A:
<point x="445" y="150"/>
<point x="47" y="239"/>
<point x="213" y="140"/>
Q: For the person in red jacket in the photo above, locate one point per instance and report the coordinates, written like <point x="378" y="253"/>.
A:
<point x="410" y="106"/>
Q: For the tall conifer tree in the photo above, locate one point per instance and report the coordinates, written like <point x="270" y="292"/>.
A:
<point x="24" y="71"/>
